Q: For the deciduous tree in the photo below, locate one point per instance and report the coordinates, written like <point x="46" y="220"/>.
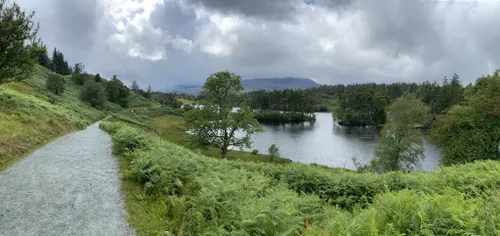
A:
<point x="401" y="145"/>
<point x="94" y="93"/>
<point x="55" y="83"/>
<point x="471" y="131"/>
<point x="216" y="123"/>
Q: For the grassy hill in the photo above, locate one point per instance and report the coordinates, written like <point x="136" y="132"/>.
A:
<point x="31" y="116"/>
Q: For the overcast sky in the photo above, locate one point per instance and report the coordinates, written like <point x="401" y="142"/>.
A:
<point x="169" y="42"/>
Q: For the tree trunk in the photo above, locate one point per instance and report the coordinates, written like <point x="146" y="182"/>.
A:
<point x="224" y="153"/>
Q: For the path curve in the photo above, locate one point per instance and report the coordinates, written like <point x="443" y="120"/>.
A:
<point x="71" y="186"/>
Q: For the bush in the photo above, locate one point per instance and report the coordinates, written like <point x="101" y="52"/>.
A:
<point x="129" y="139"/>
<point x="255" y="152"/>
<point x="274" y="152"/>
<point x="55" y="83"/>
<point x="94" y="93"/>
<point x="81" y="78"/>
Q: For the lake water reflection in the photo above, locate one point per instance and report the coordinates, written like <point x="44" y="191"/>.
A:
<point x="326" y="143"/>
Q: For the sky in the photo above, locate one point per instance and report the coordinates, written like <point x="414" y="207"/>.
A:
<point x="167" y="43"/>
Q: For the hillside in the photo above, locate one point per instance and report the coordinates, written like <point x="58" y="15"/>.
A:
<point x="32" y="116"/>
<point x="170" y="188"/>
<point x="261" y="84"/>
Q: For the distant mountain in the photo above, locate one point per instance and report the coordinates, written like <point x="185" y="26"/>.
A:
<point x="278" y="83"/>
<point x="260" y="84"/>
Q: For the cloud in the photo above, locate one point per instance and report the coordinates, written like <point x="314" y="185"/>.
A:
<point x="169" y="42"/>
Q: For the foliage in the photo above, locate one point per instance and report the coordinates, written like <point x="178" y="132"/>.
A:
<point x="401" y="146"/>
<point x="171" y="189"/>
<point x="255" y="151"/>
<point x="94" y="93"/>
<point x="471" y="131"/>
<point x="32" y="116"/>
<point x="282" y="117"/>
<point x="147" y="94"/>
<point x="19" y="45"/>
<point x="274" y="152"/>
<point x="167" y="99"/>
<point x="439" y="97"/>
<point x="80" y="76"/>
<point x="97" y="78"/>
<point x="55" y="83"/>
<point x="216" y="123"/>
<point x="135" y="86"/>
<point x="117" y="92"/>
<point x="136" y="100"/>
<point x="59" y="65"/>
<point x="361" y="107"/>
<point x="128" y="139"/>
<point x="293" y="101"/>
<point x="43" y="57"/>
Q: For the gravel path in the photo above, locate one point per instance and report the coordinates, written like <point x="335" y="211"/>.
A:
<point x="68" y="187"/>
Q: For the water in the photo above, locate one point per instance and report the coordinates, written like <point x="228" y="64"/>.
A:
<point x="326" y="143"/>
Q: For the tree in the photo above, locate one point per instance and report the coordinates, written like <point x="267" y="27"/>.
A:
<point x="97" y="78"/>
<point x="59" y="65"/>
<point x="94" y="93"/>
<point x="19" y="45"/>
<point x="79" y="74"/>
<point x="216" y="123"/>
<point x="44" y="59"/>
<point x="55" y="83"/>
<point x="135" y="87"/>
<point x="148" y="93"/>
<point x="471" y="131"/>
<point x="452" y="92"/>
<point x="274" y="152"/>
<point x="117" y="92"/>
<point x="401" y="146"/>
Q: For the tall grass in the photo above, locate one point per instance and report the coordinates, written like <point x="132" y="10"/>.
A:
<point x="30" y="115"/>
<point x="172" y="189"/>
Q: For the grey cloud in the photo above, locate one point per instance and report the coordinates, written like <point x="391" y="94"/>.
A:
<point x="175" y="19"/>
<point x="404" y="27"/>
<point x="432" y="33"/>
<point x="279" y="10"/>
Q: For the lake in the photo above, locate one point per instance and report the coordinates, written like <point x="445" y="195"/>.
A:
<point x="327" y="143"/>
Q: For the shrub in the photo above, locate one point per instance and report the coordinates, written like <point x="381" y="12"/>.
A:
<point x="274" y="152"/>
<point x="94" y="93"/>
<point x="255" y="152"/>
<point x="55" y="84"/>
<point x="129" y="139"/>
<point x="110" y="127"/>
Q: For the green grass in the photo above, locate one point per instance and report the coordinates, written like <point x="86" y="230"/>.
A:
<point x="167" y="123"/>
<point x="171" y="190"/>
<point x="32" y="116"/>
<point x="186" y="102"/>
<point x="172" y="128"/>
<point x="137" y="100"/>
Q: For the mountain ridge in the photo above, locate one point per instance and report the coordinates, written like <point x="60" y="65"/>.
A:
<point x="271" y="83"/>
